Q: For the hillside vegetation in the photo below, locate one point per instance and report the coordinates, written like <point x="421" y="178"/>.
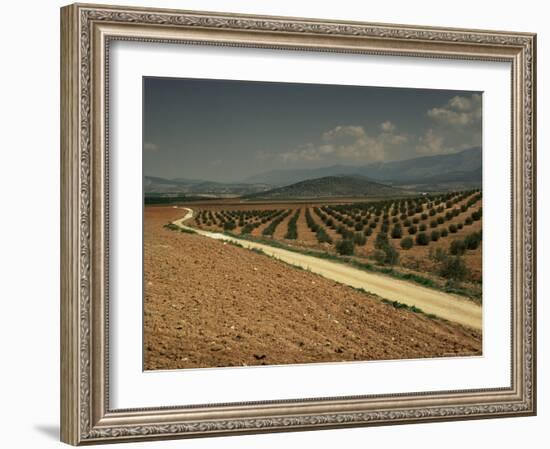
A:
<point x="331" y="187"/>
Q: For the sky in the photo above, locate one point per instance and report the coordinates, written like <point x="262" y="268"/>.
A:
<point x="226" y="131"/>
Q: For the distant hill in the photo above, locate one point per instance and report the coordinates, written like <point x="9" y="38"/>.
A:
<point x="454" y="176"/>
<point x="330" y="187"/>
<point x="466" y="163"/>
<point x="156" y="185"/>
<point x="442" y="172"/>
<point x="290" y="176"/>
<point x="420" y="168"/>
<point x="457" y="180"/>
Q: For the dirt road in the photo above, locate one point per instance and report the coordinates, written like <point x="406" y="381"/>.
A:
<point x="444" y="305"/>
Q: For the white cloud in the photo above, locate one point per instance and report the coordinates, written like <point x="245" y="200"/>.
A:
<point x="387" y="127"/>
<point x="148" y="146"/>
<point x="430" y="143"/>
<point x="307" y="152"/>
<point x="459" y="111"/>
<point x="350" y="143"/>
<point x="451" y="127"/>
<point x="454" y="126"/>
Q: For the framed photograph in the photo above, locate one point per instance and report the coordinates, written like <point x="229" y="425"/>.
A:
<point x="280" y="224"/>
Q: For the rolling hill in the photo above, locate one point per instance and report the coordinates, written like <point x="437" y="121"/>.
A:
<point x="330" y="187"/>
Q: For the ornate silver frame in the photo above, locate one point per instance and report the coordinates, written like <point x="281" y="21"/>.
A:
<point x="86" y="33"/>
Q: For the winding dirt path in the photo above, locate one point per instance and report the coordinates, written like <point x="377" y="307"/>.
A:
<point x="444" y="305"/>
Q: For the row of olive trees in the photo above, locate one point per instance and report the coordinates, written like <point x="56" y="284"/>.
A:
<point x="320" y="233"/>
<point x="292" y="230"/>
<point x="247" y="220"/>
<point x="270" y="228"/>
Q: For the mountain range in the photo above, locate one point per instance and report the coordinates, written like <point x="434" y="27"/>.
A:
<point x="457" y="171"/>
<point x="462" y="166"/>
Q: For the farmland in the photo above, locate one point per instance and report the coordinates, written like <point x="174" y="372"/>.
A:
<point x="208" y="303"/>
<point x="436" y="237"/>
<point x="312" y="281"/>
